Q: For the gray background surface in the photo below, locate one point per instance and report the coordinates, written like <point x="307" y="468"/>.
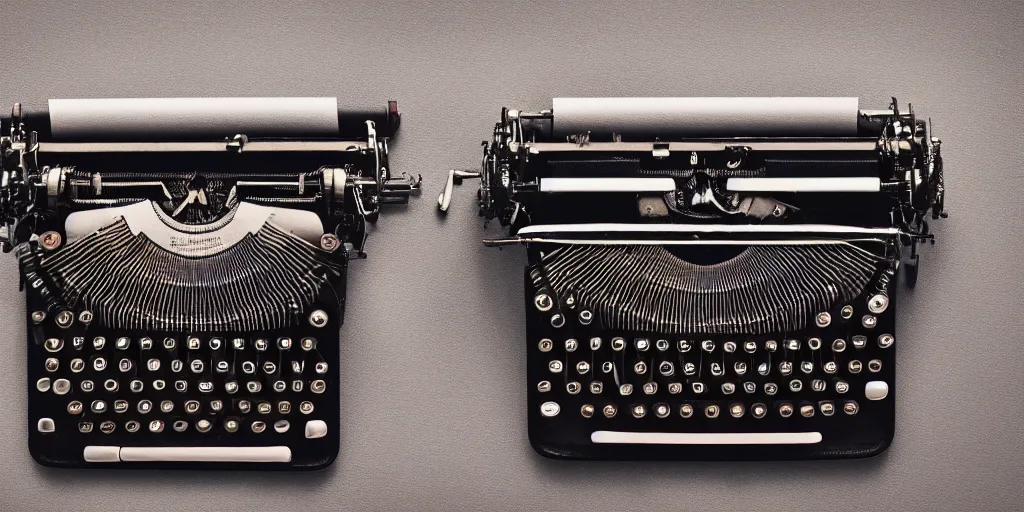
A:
<point x="433" y="359"/>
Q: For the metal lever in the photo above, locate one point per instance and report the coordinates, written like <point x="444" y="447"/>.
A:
<point x="398" y="190"/>
<point x="455" y="177"/>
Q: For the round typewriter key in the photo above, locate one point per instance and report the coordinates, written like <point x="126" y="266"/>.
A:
<point x="878" y="303"/>
<point x="85" y="427"/>
<point x="829" y="367"/>
<point x="661" y="410"/>
<point x="248" y="367"/>
<point x="661" y="345"/>
<point x="698" y="387"/>
<point x="264" y="408"/>
<point x="717" y="370"/>
<point x="204" y="426"/>
<point x="258" y="427"/>
<point x="807" y="411"/>
<point x="231" y="426"/>
<point x="842" y="386"/>
<point x="586" y="317"/>
<point x="43" y="384"/>
<point x="640" y="368"/>
<point x="736" y="410"/>
<point x="707" y="345"/>
<point x="110" y="385"/>
<point x="222" y="367"/>
<point x="573" y="387"/>
<point x="555" y="366"/>
<point x="839" y="345"/>
<point x="770" y="388"/>
<point x="231" y="387"/>
<point x="868" y="321"/>
<point x="763" y="369"/>
<point x="818" y="385"/>
<point x="885" y="340"/>
<point x="570" y="301"/>
<point x="846" y="312"/>
<point x="86" y="386"/>
<point x="549" y="409"/>
<point x="711" y="411"/>
<point x="176" y="365"/>
<point x="795" y="385"/>
<point x="170" y="343"/>
<point x="239" y="343"/>
<point x="666" y="368"/>
<point x="814" y="343"/>
<point x="318" y="318"/>
<point x="145" y="343"/>
<point x="587" y="411"/>
<point x="125" y="365"/>
<point x="120" y="406"/>
<point x="758" y="410"/>
<point x="785" y="410"/>
<point x="642" y="344"/>
<point x="729" y="347"/>
<point x="807" y="367"/>
<point x="297" y="366"/>
<point x="153" y="364"/>
<point x="571" y="345"/>
<point x="99" y="364"/>
<point x="98" y="406"/>
<point x="197" y="365"/>
<point x="180" y="426"/>
<point x="684" y="346"/>
<point x="284" y="407"/>
<point x="38" y="317"/>
<point x="159" y="385"/>
<point x="75" y="407"/>
<point x="793" y="344"/>
<point x="749" y="387"/>
<point x="132" y="426"/>
<point x="854" y="366"/>
<point x="320" y="368"/>
<point x="785" y="368"/>
<point x="607" y="367"/>
<point x="618" y="344"/>
<point x="771" y="345"/>
<point x="216" y="343"/>
<point x="260" y="345"/>
<point x="686" y="410"/>
<point x="317" y="386"/>
<point x="280" y="386"/>
<point x="545" y="345"/>
<point x="53" y="344"/>
<point x="557" y="320"/>
<point x="595" y="343"/>
<point x="740" y="368"/>
<point x="281" y="426"/>
<point x="749" y="347"/>
<point x="244" y="406"/>
<point x="135" y="386"/>
<point x="728" y="388"/>
<point x="269" y="367"/>
<point x="850" y="408"/>
<point x="626" y="389"/>
<point x="284" y="343"/>
<point x="216" y="405"/>
<point x="306" y="407"/>
<point x="144" y="406"/>
<point x="51" y="364"/>
<point x="253" y="386"/>
<point x="639" y="411"/>
<point x="122" y="343"/>
<point x="650" y="388"/>
<point x="823" y="319"/>
<point x="609" y="411"/>
<point x="596" y="387"/>
<point x="689" y="369"/>
<point x="875" y="365"/>
<point x="78" y="342"/>
<point x="108" y="427"/>
<point x="582" y="367"/>
<point x="826" y="408"/>
<point x="192" y="406"/>
<point x="64" y="319"/>
<point x="543" y="302"/>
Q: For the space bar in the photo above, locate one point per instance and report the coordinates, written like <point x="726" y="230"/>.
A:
<point x="610" y="437"/>
<point x="188" y="454"/>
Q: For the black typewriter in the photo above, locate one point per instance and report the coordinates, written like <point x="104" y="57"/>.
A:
<point x="711" y="278"/>
<point x="184" y="263"/>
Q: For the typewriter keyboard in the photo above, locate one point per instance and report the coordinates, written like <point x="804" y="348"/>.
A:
<point x="823" y="392"/>
<point x="102" y="396"/>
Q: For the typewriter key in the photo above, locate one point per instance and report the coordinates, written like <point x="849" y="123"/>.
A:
<point x="736" y="410"/>
<point x="98" y="406"/>
<point x="607" y="367"/>
<point x="698" y="387"/>
<point x="770" y="388"/>
<point x="785" y="368"/>
<point x="839" y="345"/>
<point x="269" y="367"/>
<point x="144" y="406"/>
<point x="639" y="411"/>
<point x="586" y="317"/>
<point x="829" y="367"/>
<point x="170" y="343"/>
<point x="180" y="426"/>
<point x="785" y="410"/>
<point x="64" y="319"/>
<point x="120" y="406"/>
<point x="807" y="367"/>
<point x="99" y="364"/>
<point x="555" y="366"/>
<point x="818" y="385"/>
<point x="320" y="368"/>
<point x="740" y="368"/>
<point x="318" y="318"/>
<point x="132" y="426"/>
<point x="264" y="408"/>
<point x="640" y="368"/>
<point x="78" y="342"/>
<point x="758" y="410"/>
<point x="145" y="343"/>
<point x="684" y="346"/>
<point x="281" y="426"/>
<point x="549" y="409"/>
<point x="854" y="367"/>
<point x="253" y="386"/>
<point x="216" y="405"/>
<point x="763" y="369"/>
<point x="795" y="385"/>
<point x="850" y="408"/>
<point x="49" y="240"/>
<point x="244" y="406"/>
<point x="280" y="386"/>
<point x="297" y="366"/>
<point x="85" y="427"/>
<point x="110" y="385"/>
<point x="826" y="408"/>
<point x="216" y="343"/>
<point x="38" y="317"/>
<point x="807" y="411"/>
<point x="222" y="367"/>
<point x="571" y="345"/>
<point x="572" y="387"/>
<point x="596" y="387"/>
<point x="859" y="341"/>
<point x="823" y="319"/>
<point x="750" y="347"/>
<point x="587" y="411"/>
<point x="159" y="385"/>
<point x="306" y="407"/>
<point x="609" y="411"/>
<point x="51" y="364"/>
<point x="666" y="369"/>
<point x="197" y="365"/>
<point x="717" y="370"/>
<point x="842" y="386"/>
<point x="814" y="343"/>
<point x="135" y="386"/>
<point x="557" y="320"/>
<point x="260" y="345"/>
<point x="626" y="389"/>
<point x="153" y="364"/>
<point x="728" y="388"/>
<point x="878" y="303"/>
<point x="650" y="388"/>
<point x="846" y="312"/>
<point x="793" y="344"/>
<point x="707" y="345"/>
<point x="248" y="367"/>
<point x="543" y="302"/>
<point x="686" y="410"/>
<point x="239" y="343"/>
<point x="231" y="426"/>
<point x="729" y="347"/>
<point x="86" y="386"/>
<point x="75" y="407"/>
<point x="258" y="427"/>
<point x="108" y="427"/>
<point x="885" y="340"/>
<point x="749" y="387"/>
<point x="284" y="343"/>
<point x="570" y="301"/>
<point x="284" y="407"/>
<point x="203" y="426"/>
<point x="771" y="345"/>
<point x="53" y="344"/>
<point x="122" y="343"/>
<point x="868" y="321"/>
<point x="595" y="343"/>
<point x="582" y="367"/>
<point x="661" y="410"/>
<point x="192" y="406"/>
<point x="43" y="384"/>
<point x="231" y="387"/>
<point x="204" y="386"/>
<point x="661" y="345"/>
<point x="545" y="345"/>
<point x="125" y="365"/>
<point x="875" y="365"/>
<point x="297" y="386"/>
<point x="642" y="344"/>
<point x="711" y="411"/>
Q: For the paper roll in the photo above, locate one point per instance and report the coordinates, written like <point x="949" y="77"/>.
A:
<point x="707" y="117"/>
